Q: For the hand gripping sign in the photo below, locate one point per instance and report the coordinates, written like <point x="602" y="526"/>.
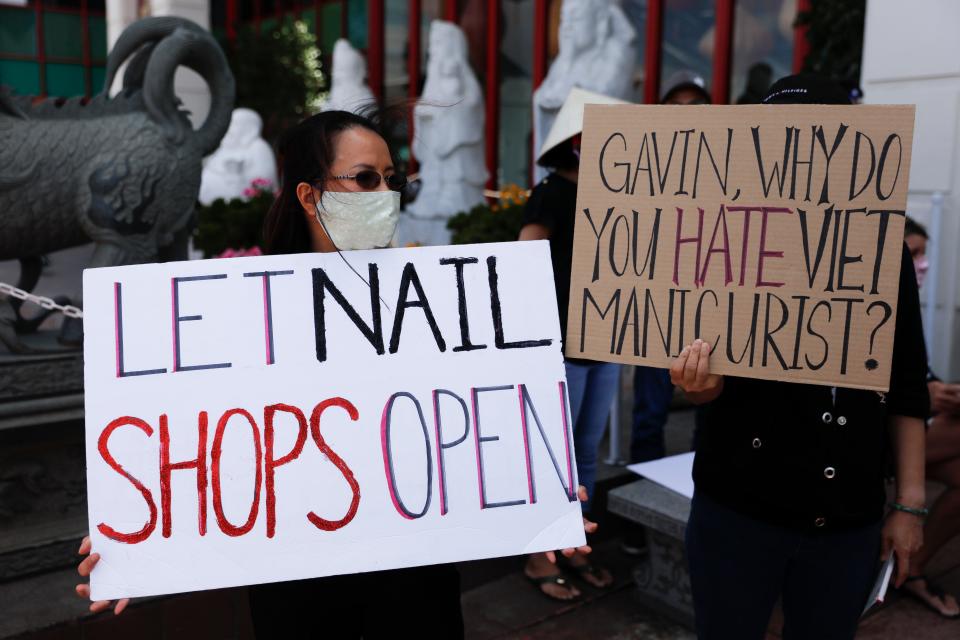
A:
<point x="772" y="232"/>
<point x="275" y="418"/>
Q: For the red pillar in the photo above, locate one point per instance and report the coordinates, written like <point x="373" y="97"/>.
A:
<point x="231" y="19"/>
<point x="723" y="51"/>
<point x="41" y="54"/>
<point x="413" y="69"/>
<point x="653" y="54"/>
<point x="450" y="11"/>
<point x="801" y="47"/>
<point x="85" y="44"/>
<point x="540" y="18"/>
<point x="375" y="46"/>
<point x="493" y="90"/>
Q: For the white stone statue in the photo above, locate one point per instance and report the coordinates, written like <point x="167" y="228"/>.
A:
<point x="597" y="52"/>
<point x="448" y="139"/>
<point x="242" y="157"/>
<point x="348" y="80"/>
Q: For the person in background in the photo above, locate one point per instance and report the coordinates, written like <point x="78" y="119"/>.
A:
<point x="549" y="214"/>
<point x="943" y="463"/>
<point x="790" y="478"/>
<point x="759" y="78"/>
<point x="652" y="389"/>
<point x="337" y="152"/>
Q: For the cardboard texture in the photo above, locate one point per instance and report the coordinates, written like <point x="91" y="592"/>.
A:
<point x="275" y="418"/>
<point x="772" y="232"/>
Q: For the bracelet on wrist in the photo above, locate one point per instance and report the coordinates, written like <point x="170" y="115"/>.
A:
<point x="922" y="512"/>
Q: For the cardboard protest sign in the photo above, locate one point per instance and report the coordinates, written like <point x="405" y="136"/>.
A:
<point x="772" y="232"/>
<point x="275" y="418"/>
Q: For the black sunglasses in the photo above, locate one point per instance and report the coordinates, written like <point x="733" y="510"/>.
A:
<point x="368" y="180"/>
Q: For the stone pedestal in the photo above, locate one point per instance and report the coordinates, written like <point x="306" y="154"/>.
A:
<point x="662" y="579"/>
<point x="43" y="512"/>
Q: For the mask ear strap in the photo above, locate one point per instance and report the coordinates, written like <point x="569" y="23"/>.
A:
<point x="316" y="210"/>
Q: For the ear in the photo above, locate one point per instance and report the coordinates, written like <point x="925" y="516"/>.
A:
<point x="308" y="196"/>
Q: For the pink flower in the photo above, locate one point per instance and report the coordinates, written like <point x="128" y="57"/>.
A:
<point x="240" y="253"/>
<point x="249" y="192"/>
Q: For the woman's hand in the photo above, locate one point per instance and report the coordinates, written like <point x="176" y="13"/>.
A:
<point x="588" y="526"/>
<point x="691" y="372"/>
<point x="902" y="535"/>
<point x="83" y="589"/>
<point x="944" y="397"/>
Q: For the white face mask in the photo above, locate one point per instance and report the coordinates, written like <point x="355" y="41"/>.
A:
<point x="359" y="219"/>
<point x="921" y="265"/>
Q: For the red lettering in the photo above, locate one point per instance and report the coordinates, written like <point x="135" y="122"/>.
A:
<point x="199" y="463"/>
<point x="698" y="239"/>
<point x="271" y="464"/>
<point x="725" y="250"/>
<point x="763" y="243"/>
<point x="321" y="523"/>
<point x="105" y="529"/>
<point x="215" y="454"/>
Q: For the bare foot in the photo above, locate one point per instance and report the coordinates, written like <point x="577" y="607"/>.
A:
<point x="558" y="588"/>
<point x="934" y="598"/>
<point x="596" y="576"/>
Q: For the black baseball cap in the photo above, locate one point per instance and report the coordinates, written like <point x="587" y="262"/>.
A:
<point x="806" y="88"/>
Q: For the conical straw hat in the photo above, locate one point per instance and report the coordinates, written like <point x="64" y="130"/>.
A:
<point x="569" y="120"/>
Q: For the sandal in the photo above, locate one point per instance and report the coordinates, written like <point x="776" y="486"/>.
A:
<point x="555" y="578"/>
<point x="935" y="590"/>
<point x="587" y="569"/>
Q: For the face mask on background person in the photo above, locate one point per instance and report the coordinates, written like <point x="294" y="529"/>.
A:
<point x="359" y="219"/>
<point x="921" y="265"/>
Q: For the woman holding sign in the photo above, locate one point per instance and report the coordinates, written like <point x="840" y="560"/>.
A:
<point x="789" y="499"/>
<point x="340" y="191"/>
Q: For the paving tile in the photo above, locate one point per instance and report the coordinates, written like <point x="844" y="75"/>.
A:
<point x="204" y="615"/>
<point x="141" y="622"/>
<point x="616" y="616"/>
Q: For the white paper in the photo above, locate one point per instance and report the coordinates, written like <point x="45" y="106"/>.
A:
<point x="673" y="472"/>
<point x="224" y="320"/>
<point x="879" y="591"/>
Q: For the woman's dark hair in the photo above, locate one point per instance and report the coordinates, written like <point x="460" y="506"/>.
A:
<point x="561" y="157"/>
<point x="912" y="227"/>
<point x="306" y="152"/>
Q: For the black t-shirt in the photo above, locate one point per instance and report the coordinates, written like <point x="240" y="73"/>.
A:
<point x="805" y="456"/>
<point x="553" y="204"/>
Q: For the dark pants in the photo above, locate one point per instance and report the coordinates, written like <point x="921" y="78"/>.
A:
<point x="739" y="567"/>
<point x="652" y="392"/>
<point x="421" y="601"/>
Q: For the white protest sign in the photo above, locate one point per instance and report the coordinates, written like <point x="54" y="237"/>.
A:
<point x="275" y="418"/>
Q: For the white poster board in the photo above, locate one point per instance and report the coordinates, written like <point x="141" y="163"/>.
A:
<point x="340" y="427"/>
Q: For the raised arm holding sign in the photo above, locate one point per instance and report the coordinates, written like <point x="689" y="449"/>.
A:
<point x="269" y="419"/>
<point x="757" y="252"/>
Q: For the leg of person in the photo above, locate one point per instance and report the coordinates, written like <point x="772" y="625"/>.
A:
<point x="652" y="392"/>
<point x="828" y="582"/>
<point x="943" y="439"/>
<point x="941" y="526"/>
<point x="602" y="381"/>
<point x="544" y="574"/>
<point x="591" y="421"/>
<point x="306" y="609"/>
<point x="423" y="602"/>
<point x="737" y="566"/>
<point x="576" y="387"/>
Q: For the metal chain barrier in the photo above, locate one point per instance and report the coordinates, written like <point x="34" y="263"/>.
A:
<point x="41" y="301"/>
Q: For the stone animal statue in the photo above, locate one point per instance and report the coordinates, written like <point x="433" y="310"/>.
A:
<point x="123" y="171"/>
